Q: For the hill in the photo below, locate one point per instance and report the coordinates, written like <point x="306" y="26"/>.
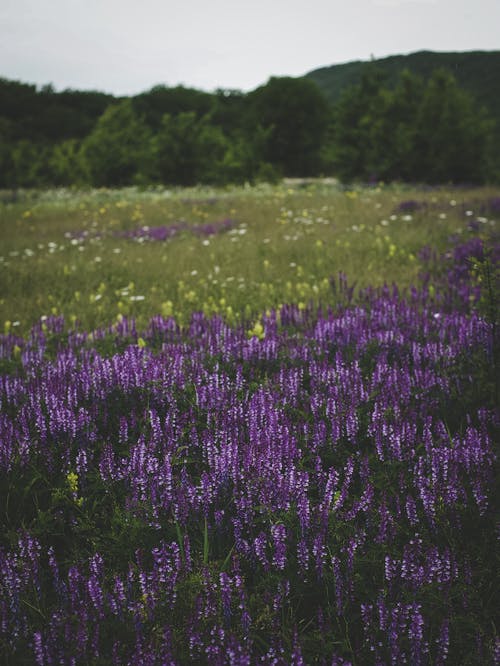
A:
<point x="478" y="72"/>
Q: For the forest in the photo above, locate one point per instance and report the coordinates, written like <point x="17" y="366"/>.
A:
<point x="420" y="130"/>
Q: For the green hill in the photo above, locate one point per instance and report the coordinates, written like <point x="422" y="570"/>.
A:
<point x="478" y="72"/>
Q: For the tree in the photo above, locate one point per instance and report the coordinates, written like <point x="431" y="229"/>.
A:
<point x="67" y="164"/>
<point x="188" y="150"/>
<point x="47" y="116"/>
<point x="30" y="164"/>
<point x="393" y="133"/>
<point x="118" y="150"/>
<point x="358" y="127"/>
<point x="228" y="111"/>
<point x="296" y="114"/>
<point x="243" y="160"/>
<point x="452" y="135"/>
<point x="158" y="101"/>
<point x="430" y="133"/>
<point x="6" y="162"/>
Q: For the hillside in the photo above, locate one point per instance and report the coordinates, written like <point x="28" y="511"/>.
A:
<point x="478" y="72"/>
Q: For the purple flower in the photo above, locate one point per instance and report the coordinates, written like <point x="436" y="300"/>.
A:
<point x="38" y="648"/>
<point x="443" y="643"/>
<point x="278" y="533"/>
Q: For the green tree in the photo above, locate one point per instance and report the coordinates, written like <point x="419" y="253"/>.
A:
<point x="429" y="133"/>
<point x="296" y="115"/>
<point x="188" y="150"/>
<point x="243" y="160"/>
<point x="30" y="164"/>
<point x="158" y="101"/>
<point x="6" y="161"/>
<point x="393" y="136"/>
<point x="67" y="164"/>
<point x="119" y="149"/>
<point x="46" y="116"/>
<point x="452" y="135"/>
<point x="228" y="111"/>
<point x="358" y="127"/>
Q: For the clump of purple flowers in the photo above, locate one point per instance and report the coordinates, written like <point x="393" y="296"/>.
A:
<point x="455" y="275"/>
<point x="165" y="232"/>
<point x="160" y="233"/>
<point x="323" y="493"/>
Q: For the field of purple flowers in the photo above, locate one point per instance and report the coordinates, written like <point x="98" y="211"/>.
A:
<point x="322" y="490"/>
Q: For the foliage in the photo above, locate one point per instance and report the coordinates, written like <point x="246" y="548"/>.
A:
<point x="117" y="151"/>
<point x="428" y="133"/>
<point x="189" y="150"/>
<point x="476" y="72"/>
<point x="29" y="164"/>
<point x="297" y="114"/>
<point x="160" y="100"/>
<point x="357" y="128"/>
<point x="46" y="116"/>
<point x="7" y="173"/>
<point x="416" y="130"/>
<point x="452" y="136"/>
<point x="67" y="165"/>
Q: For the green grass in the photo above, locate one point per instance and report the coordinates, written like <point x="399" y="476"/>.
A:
<point x="289" y="240"/>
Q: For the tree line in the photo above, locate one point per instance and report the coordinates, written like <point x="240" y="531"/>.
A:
<point x="428" y="131"/>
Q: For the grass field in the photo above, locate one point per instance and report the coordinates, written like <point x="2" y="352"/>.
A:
<point x="250" y="426"/>
<point x="65" y="253"/>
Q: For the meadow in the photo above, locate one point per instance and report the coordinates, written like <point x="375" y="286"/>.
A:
<point x="250" y="425"/>
<point x="68" y="253"/>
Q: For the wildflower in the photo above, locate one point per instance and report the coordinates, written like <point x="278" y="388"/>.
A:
<point x="72" y="479"/>
<point x="278" y="533"/>
<point x="257" y="331"/>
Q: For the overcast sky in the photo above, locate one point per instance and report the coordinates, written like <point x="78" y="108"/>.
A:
<point x="127" y="46"/>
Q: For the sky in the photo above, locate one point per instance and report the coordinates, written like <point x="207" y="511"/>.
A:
<point x="127" y="46"/>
